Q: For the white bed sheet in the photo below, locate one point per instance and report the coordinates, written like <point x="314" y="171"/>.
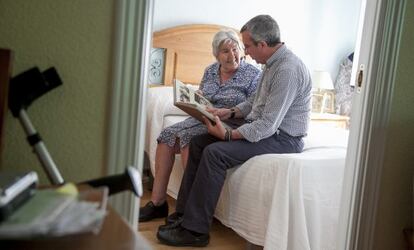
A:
<point x="287" y="201"/>
<point x="279" y="201"/>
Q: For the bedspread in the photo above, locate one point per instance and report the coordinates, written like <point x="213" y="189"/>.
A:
<point x="287" y="201"/>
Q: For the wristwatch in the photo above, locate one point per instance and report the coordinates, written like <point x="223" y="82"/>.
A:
<point x="233" y="113"/>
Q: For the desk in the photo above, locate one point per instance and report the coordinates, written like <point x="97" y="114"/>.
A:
<point x="338" y="121"/>
<point x="115" y="234"/>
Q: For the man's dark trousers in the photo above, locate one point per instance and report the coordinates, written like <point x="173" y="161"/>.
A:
<point x="204" y="176"/>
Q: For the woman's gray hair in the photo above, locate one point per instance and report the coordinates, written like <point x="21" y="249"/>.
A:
<point x="224" y="36"/>
<point x="263" y="28"/>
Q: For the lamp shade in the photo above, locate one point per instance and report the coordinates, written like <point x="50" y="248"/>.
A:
<point x="322" y="80"/>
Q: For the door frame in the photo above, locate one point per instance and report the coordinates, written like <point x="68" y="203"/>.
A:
<point x="133" y="38"/>
<point x="376" y="51"/>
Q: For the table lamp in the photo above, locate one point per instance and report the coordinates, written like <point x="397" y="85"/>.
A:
<point x="322" y="81"/>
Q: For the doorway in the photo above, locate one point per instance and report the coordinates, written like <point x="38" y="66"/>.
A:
<point x="376" y="20"/>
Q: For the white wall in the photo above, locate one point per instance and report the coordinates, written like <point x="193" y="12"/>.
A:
<point x="321" y="32"/>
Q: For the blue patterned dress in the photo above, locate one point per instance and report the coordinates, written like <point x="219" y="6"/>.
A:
<point x="234" y="91"/>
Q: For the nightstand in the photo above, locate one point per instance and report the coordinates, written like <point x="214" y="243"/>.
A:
<point x="337" y="121"/>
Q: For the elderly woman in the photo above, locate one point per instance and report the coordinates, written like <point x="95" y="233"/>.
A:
<point x="226" y="83"/>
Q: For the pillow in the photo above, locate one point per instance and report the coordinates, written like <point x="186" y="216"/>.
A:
<point x="162" y="98"/>
<point x="343" y="88"/>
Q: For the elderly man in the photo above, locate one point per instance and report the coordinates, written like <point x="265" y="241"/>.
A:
<point x="276" y="119"/>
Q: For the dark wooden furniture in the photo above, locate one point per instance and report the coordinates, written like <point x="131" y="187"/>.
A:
<point x="409" y="238"/>
<point x="6" y="57"/>
<point x="115" y="233"/>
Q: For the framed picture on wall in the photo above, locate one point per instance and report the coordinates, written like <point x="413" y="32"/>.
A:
<point x="157" y="61"/>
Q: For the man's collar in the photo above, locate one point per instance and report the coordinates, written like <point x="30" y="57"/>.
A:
<point x="277" y="54"/>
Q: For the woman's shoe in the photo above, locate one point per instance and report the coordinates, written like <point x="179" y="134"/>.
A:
<point x="151" y="211"/>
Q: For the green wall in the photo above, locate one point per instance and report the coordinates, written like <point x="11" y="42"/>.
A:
<point x="395" y="207"/>
<point x="75" y="36"/>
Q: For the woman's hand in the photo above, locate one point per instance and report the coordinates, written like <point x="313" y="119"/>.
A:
<point x="222" y="113"/>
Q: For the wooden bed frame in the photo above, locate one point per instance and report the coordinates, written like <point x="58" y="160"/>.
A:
<point x="188" y="51"/>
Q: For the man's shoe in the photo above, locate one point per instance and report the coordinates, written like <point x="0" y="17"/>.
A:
<point x="181" y="237"/>
<point x="171" y="225"/>
<point x="172" y="218"/>
<point x="150" y="211"/>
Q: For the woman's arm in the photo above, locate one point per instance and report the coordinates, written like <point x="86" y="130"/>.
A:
<point x="225" y="114"/>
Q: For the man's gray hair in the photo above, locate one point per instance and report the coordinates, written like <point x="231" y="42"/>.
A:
<point x="263" y="28"/>
<point x="225" y="36"/>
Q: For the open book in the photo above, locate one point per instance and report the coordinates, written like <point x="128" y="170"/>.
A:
<point x="191" y="102"/>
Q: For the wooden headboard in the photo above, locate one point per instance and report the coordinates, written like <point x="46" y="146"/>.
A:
<point x="188" y="51"/>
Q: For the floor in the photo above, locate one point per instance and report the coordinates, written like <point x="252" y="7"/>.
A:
<point x="221" y="237"/>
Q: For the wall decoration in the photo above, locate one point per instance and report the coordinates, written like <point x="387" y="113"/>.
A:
<point x="157" y="60"/>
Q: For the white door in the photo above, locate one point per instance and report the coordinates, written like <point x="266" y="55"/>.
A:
<point x="373" y="75"/>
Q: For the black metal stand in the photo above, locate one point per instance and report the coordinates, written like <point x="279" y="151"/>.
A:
<point x="40" y="149"/>
<point x="27" y="87"/>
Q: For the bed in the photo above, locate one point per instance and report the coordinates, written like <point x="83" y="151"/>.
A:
<point x="278" y="201"/>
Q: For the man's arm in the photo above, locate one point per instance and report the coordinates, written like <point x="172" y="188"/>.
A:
<point x="276" y="101"/>
<point x="246" y="106"/>
<point x="219" y="131"/>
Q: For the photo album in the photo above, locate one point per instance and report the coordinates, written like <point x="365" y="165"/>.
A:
<point x="191" y="102"/>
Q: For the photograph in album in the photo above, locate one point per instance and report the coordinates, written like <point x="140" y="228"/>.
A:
<point x="191" y="102"/>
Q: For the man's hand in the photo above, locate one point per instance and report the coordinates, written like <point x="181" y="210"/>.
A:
<point x="217" y="130"/>
<point x="222" y="113"/>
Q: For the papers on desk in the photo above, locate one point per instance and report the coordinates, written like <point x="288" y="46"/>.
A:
<point x="57" y="213"/>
